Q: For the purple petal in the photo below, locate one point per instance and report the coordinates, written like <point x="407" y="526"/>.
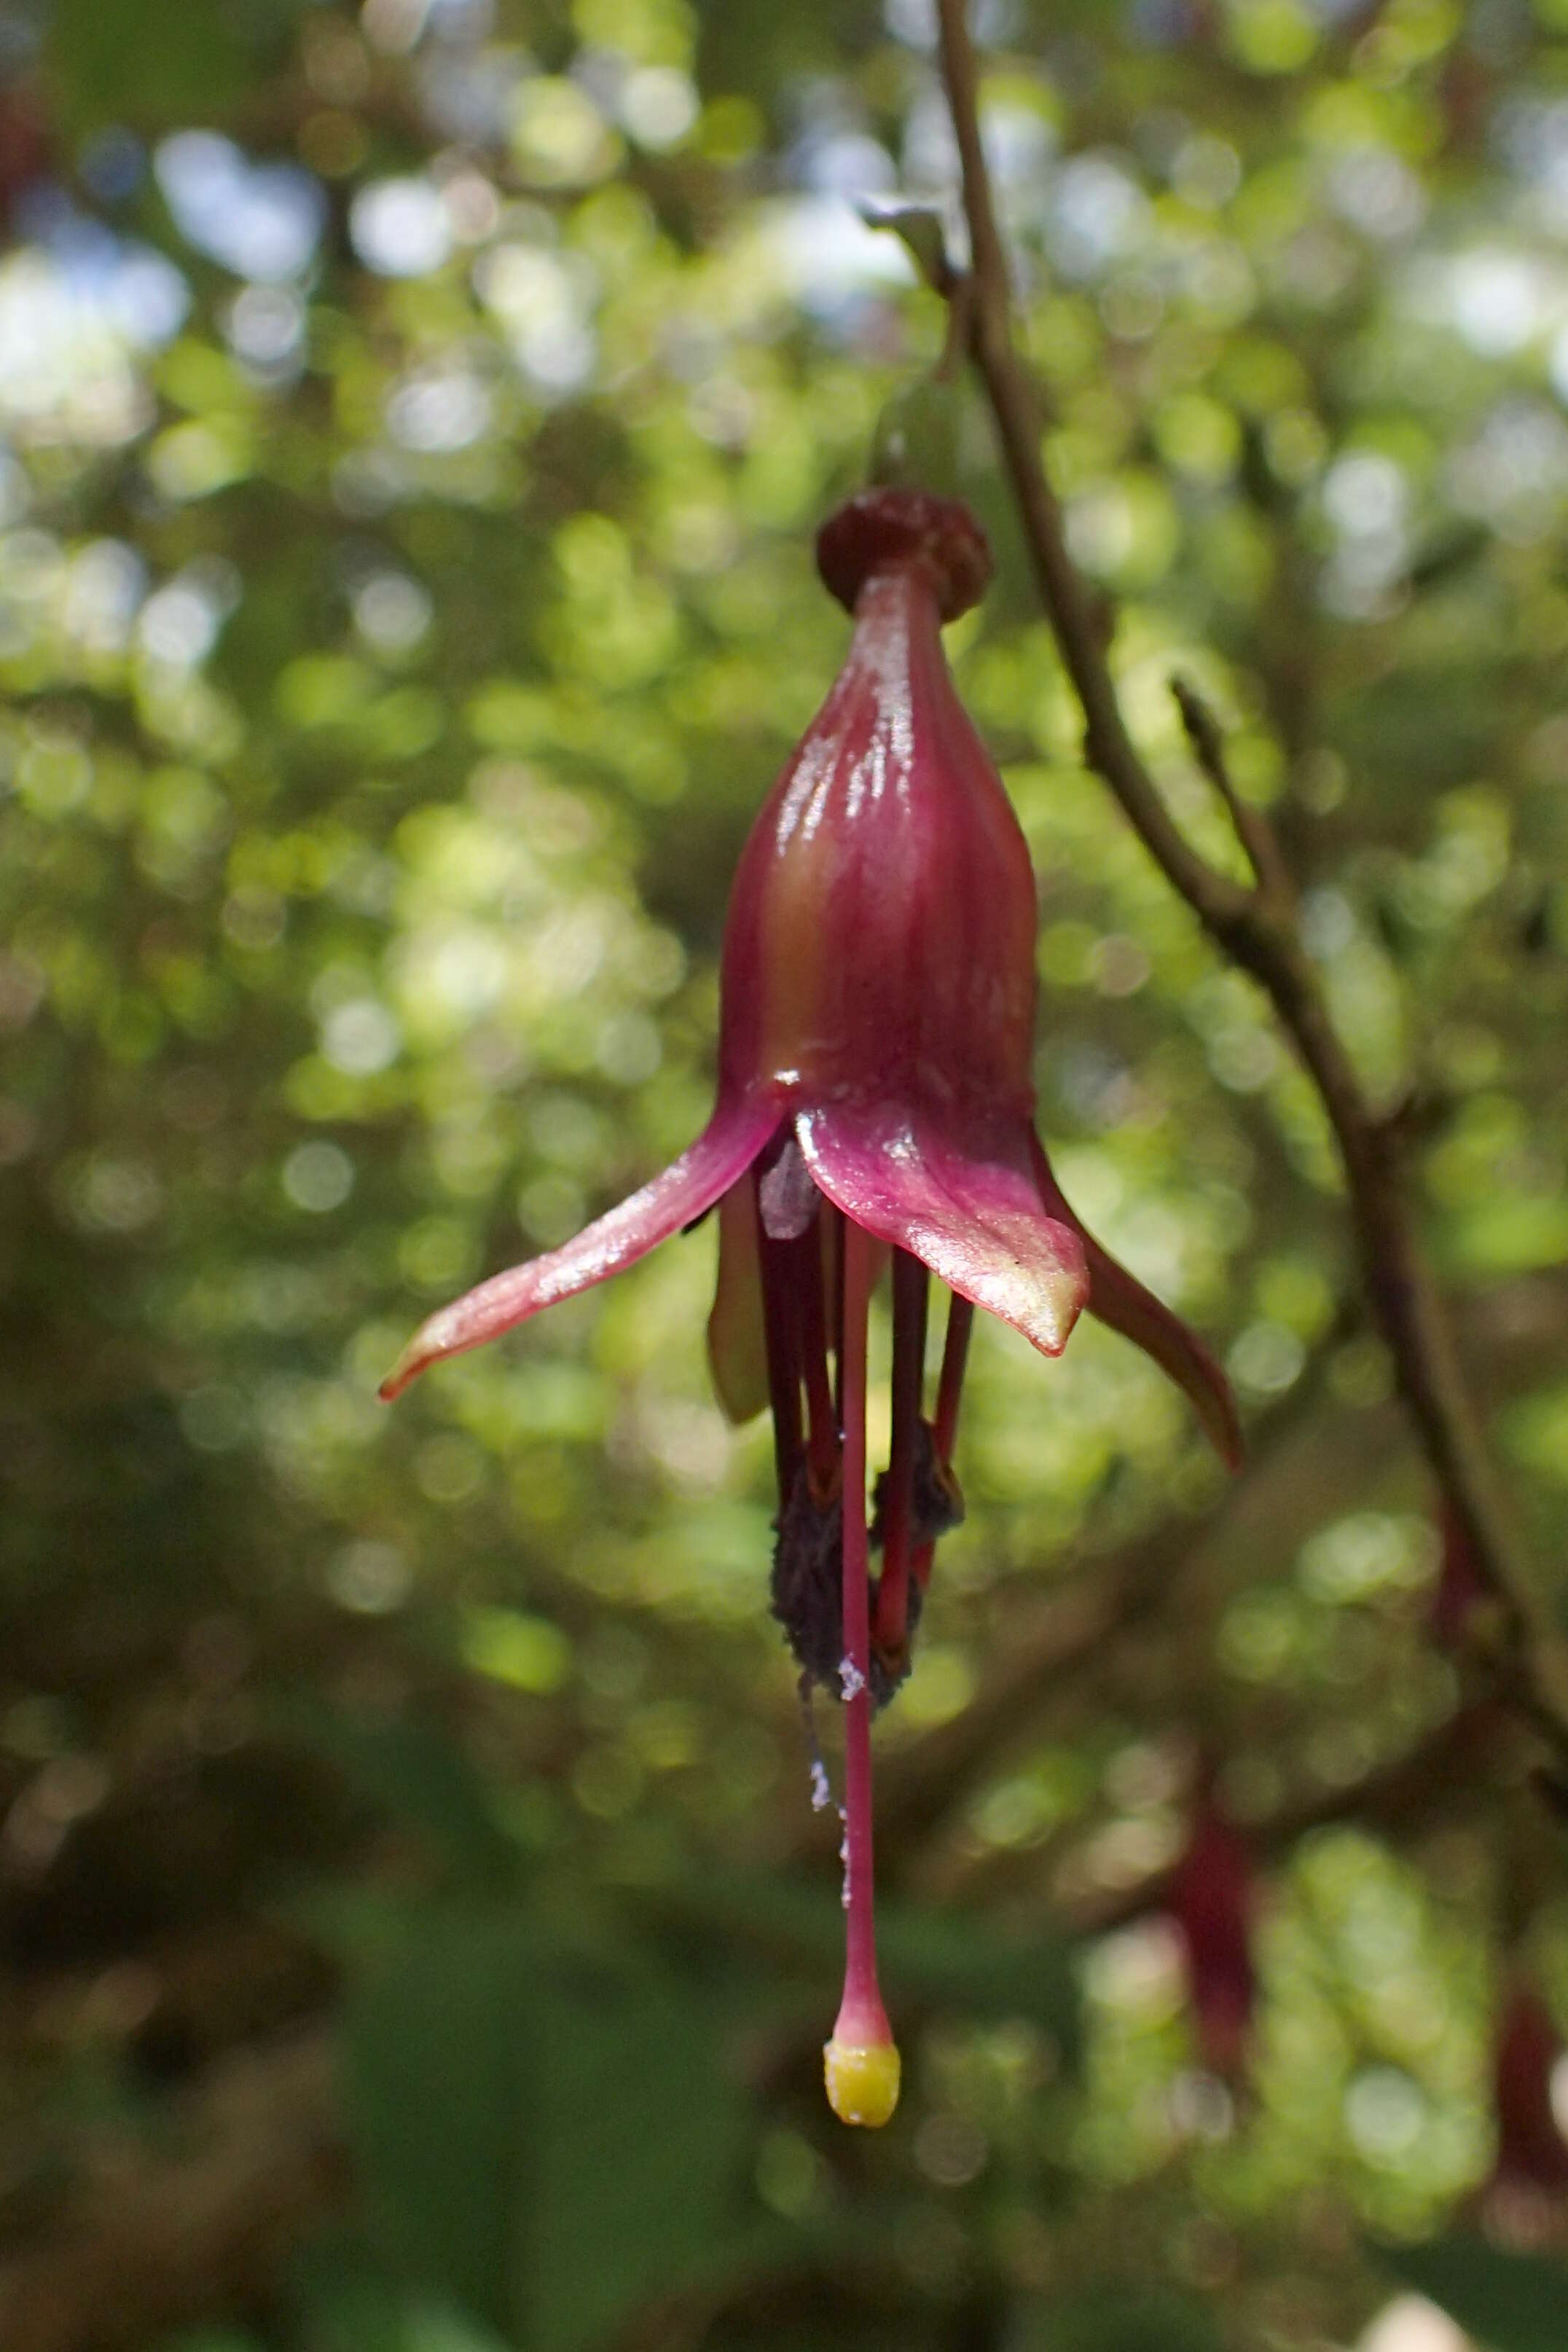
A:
<point x="960" y="1196"/>
<point x="1118" y="1299"/>
<point x="688" y="1188"/>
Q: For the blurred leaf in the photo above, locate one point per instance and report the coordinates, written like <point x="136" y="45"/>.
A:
<point x="152" y="64"/>
<point x="545" y="2139"/>
<point x="1513" y="1235"/>
<point x="346" y="2303"/>
<point x="1114" y="2321"/>
<point x="1512" y="2303"/>
<point x="510" y="1646"/>
<point x="411" y="1769"/>
<point x="639" y="2146"/>
<point x="916" y="440"/>
<point x="966" y="1962"/>
<point x="919" y="230"/>
<point x="439" y="2059"/>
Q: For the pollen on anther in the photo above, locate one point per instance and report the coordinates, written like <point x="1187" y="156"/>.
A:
<point x="862" y="2081"/>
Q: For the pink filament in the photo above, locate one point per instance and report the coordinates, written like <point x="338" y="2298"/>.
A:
<point x="911" y="1283"/>
<point x="862" y="2020"/>
<point x="950" y="1391"/>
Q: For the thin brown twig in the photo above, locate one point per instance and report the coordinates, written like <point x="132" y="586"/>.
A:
<point x="1253" y="830"/>
<point x="1258" y="930"/>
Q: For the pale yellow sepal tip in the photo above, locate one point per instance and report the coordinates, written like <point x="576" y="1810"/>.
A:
<point x="862" y="2083"/>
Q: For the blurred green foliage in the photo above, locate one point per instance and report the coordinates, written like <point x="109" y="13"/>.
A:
<point x="413" y="418"/>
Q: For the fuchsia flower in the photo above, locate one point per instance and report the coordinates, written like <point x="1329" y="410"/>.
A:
<point x="1532" y="2151"/>
<point x="875" y="1096"/>
<point x="1459" y="1597"/>
<point x="1212" y="1899"/>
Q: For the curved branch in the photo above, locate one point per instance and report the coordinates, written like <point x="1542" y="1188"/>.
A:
<point x="1258" y="931"/>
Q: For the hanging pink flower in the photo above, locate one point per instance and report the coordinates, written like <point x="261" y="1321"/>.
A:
<point x="1211" y="1901"/>
<point x="875" y="1097"/>
<point x="1532" y="2151"/>
<point x="1459" y="1594"/>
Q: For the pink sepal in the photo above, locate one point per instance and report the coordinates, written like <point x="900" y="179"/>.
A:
<point x="958" y="1194"/>
<point x="688" y="1188"/>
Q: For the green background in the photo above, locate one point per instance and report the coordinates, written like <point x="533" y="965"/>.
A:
<point x="405" y="599"/>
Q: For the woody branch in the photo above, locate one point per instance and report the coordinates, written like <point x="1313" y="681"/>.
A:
<point x="1257" y="925"/>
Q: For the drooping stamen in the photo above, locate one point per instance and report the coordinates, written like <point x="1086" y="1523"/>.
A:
<point x="860" y="2063"/>
<point x="823" y="1443"/>
<point x="836" y="1295"/>
<point x="949" y="1393"/>
<point x="806" y="1585"/>
<point x="912" y="1286"/>
<point x="950" y="1388"/>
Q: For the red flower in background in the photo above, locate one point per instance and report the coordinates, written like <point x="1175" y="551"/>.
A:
<point x="1531" y="2153"/>
<point x="26" y="147"/>
<point x="875" y="1096"/>
<point x="1211" y="1901"/>
<point x="1459" y="1592"/>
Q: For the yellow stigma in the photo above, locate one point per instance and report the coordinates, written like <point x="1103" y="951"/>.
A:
<point x="862" y="2083"/>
